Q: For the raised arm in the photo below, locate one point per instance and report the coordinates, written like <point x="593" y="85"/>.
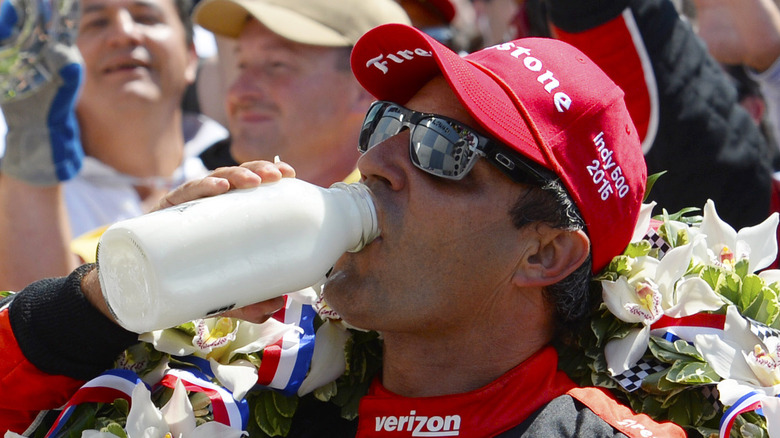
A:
<point x="42" y="150"/>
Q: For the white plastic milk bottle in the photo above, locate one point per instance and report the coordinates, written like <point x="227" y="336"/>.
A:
<point x="206" y="256"/>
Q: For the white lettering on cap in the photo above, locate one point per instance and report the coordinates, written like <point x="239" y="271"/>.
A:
<point x="607" y="174"/>
<point x="561" y="100"/>
<point x="397" y="57"/>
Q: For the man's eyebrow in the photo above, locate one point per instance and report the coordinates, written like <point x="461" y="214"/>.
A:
<point x="101" y="6"/>
<point x="93" y="8"/>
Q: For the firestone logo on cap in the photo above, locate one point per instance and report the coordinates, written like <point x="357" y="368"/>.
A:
<point x="398" y="57"/>
<point x="561" y="100"/>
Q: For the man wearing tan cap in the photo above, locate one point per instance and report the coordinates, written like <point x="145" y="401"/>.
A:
<point x="294" y="94"/>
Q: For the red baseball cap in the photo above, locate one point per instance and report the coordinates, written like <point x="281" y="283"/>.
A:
<point x="539" y="96"/>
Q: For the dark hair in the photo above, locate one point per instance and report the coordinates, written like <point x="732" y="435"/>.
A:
<point x="184" y="8"/>
<point x="571" y="297"/>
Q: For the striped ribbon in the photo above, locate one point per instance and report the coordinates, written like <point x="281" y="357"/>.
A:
<point x="225" y="408"/>
<point x="105" y="388"/>
<point x="118" y="383"/>
<point x="286" y="362"/>
<point x="688" y="327"/>
<point x="748" y="402"/>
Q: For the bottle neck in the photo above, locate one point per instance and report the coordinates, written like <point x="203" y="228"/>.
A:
<point x="364" y="200"/>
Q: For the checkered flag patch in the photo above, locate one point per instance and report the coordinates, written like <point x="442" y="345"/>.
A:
<point x="763" y="331"/>
<point x="710" y="393"/>
<point x="631" y="379"/>
<point x="656" y="241"/>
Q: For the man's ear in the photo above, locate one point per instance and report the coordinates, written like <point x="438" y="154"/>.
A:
<point x="551" y="256"/>
<point x="191" y="71"/>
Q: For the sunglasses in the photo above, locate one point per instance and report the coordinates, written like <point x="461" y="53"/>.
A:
<point x="444" y="147"/>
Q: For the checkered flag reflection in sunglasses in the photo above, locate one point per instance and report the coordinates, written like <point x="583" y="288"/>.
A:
<point x="439" y="146"/>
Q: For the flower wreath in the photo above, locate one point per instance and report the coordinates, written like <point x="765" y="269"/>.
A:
<point x="686" y="331"/>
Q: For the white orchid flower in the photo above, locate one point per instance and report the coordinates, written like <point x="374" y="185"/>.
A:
<point x="655" y="288"/>
<point x="175" y="420"/>
<point x="725" y="247"/>
<point x="741" y="355"/>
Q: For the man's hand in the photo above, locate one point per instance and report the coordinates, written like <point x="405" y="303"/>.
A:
<point x="740" y="31"/>
<point x="245" y="176"/>
<point x="43" y="145"/>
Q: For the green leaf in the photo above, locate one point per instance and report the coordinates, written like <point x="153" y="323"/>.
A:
<point x="692" y="373"/>
<point x="638" y="249"/>
<point x="621" y="265"/>
<point x="746" y="428"/>
<point x="652" y="407"/>
<point x="116" y="429"/>
<point x="682" y="216"/>
<point x="752" y="285"/>
<point x="669" y="352"/>
<point x="728" y="284"/>
<point x="285" y="406"/>
<point x="711" y="275"/>
<point x="270" y="421"/>
<point x="187" y="328"/>
<point x="657" y="384"/>
<point x="651" y="180"/>
<point x="122" y="406"/>
<point x="732" y="282"/>
<point x="764" y="308"/>
<point x="349" y="408"/>
<point x="326" y="391"/>
<point x="689" y="408"/>
<point x="742" y="267"/>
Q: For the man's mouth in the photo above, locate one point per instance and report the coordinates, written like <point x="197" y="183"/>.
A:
<point x="126" y="66"/>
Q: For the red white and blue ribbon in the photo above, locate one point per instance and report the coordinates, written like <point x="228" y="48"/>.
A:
<point x="225" y="408"/>
<point x="748" y="402"/>
<point x="286" y="362"/>
<point x="105" y="388"/>
<point x="687" y="327"/>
